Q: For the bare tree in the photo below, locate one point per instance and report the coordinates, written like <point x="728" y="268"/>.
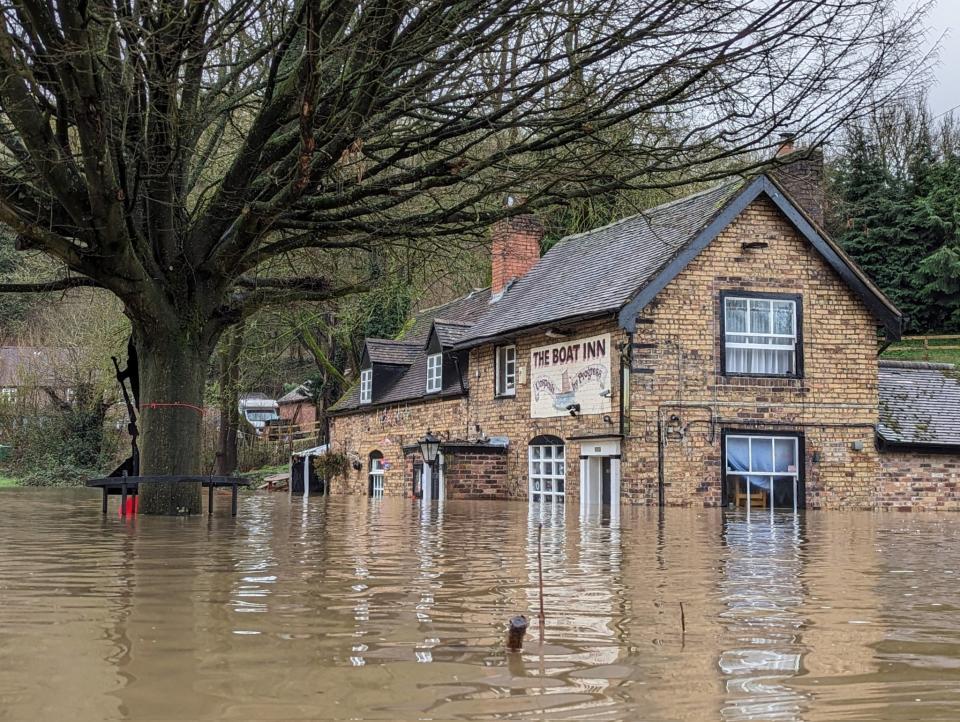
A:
<point x="176" y="152"/>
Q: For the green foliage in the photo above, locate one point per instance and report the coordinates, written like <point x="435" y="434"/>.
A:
<point x="331" y="465"/>
<point x="61" y="444"/>
<point x="897" y="183"/>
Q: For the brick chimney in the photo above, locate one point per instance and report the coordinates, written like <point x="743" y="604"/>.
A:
<point x="800" y="172"/>
<point x="515" y="248"/>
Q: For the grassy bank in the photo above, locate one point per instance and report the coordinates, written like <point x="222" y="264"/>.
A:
<point x="8" y="481"/>
<point x="936" y="350"/>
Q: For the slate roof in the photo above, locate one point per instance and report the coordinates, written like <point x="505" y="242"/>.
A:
<point x="451" y="333"/>
<point x="395" y="353"/>
<point x="598" y="271"/>
<point x="295" y="396"/>
<point x="411" y="384"/>
<point x="919" y="404"/>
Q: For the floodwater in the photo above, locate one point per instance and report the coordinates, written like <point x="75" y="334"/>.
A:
<point x="348" y="608"/>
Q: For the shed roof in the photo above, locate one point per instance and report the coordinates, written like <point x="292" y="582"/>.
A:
<point x="919" y="404"/>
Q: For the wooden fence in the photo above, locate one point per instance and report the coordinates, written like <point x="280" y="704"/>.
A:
<point x="941" y="342"/>
<point x="274" y="446"/>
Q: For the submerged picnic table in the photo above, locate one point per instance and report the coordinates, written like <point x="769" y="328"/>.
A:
<point x="129" y="486"/>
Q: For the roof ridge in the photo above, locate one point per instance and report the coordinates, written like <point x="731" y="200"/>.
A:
<point x="473" y="292"/>
<point x="396" y="341"/>
<point x="908" y="364"/>
<point x="449" y="322"/>
<point x="647" y="211"/>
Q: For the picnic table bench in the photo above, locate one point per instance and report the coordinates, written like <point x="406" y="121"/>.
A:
<point x="129" y="486"/>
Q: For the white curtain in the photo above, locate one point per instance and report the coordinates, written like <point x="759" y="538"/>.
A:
<point x="770" y="361"/>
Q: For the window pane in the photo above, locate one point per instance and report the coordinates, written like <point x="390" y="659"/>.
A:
<point x="761" y="454"/>
<point x="759" y="316"/>
<point x="547" y="452"/>
<point x="536" y="468"/>
<point x="785" y="455"/>
<point x="535" y="450"/>
<point x="783" y="317"/>
<point x="736" y="319"/>
<point x="738" y="454"/>
<point x="547" y="485"/>
<point x="560" y="468"/>
<point x="536" y="485"/>
<point x="559" y="485"/>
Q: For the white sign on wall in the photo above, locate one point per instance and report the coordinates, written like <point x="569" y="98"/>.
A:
<point x="571" y="372"/>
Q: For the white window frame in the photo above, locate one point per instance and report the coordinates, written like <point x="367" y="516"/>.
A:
<point x="434" y="373"/>
<point x="792" y="346"/>
<point x="366" y="386"/>
<point x="377" y="473"/>
<point x="505" y="370"/>
<point x="552" y="457"/>
<point x="8" y="393"/>
<point x="751" y="473"/>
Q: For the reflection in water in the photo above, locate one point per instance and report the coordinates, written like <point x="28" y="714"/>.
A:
<point x="341" y="608"/>
<point x="762" y="588"/>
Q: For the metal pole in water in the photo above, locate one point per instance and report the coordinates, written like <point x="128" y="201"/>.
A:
<point x="541" y="617"/>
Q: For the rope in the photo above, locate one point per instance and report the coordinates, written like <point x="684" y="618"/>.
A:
<point x="173" y="404"/>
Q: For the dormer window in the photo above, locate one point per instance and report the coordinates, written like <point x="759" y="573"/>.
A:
<point x="434" y="373"/>
<point x="366" y="386"/>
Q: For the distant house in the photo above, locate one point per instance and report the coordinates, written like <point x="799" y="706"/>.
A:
<point x="297" y="410"/>
<point x="25" y="371"/>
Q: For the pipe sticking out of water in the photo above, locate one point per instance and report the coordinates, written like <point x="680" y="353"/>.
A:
<point x="516" y="631"/>
<point x="542" y="616"/>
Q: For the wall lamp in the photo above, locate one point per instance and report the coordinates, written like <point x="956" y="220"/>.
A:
<point x="556" y="333"/>
<point x="574" y="409"/>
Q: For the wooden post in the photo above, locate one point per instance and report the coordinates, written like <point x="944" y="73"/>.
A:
<point x="210" y="498"/>
<point x="233" y="500"/>
<point x="104" y="504"/>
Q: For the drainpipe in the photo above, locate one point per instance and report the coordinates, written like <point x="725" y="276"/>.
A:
<point x="661" y="492"/>
<point x="626" y="363"/>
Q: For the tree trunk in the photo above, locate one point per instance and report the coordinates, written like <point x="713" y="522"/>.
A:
<point x="229" y="402"/>
<point x="172" y="377"/>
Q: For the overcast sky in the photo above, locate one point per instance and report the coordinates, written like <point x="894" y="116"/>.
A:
<point x="944" y="19"/>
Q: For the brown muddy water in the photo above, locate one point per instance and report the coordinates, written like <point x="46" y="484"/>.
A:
<point x="352" y="609"/>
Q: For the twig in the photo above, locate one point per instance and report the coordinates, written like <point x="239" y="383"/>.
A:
<point x="541" y="617"/>
<point x="683" y="622"/>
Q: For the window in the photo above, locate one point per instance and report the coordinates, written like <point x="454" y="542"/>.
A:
<point x="506" y="370"/>
<point x="763" y="470"/>
<point x="547" y="469"/>
<point x="434" y="372"/>
<point x="8" y="393"/>
<point x="376" y="474"/>
<point x="760" y="335"/>
<point x="366" y="386"/>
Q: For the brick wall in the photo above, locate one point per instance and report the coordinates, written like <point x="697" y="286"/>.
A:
<point x="912" y="481"/>
<point x="833" y="405"/>
<point x="475" y="474"/>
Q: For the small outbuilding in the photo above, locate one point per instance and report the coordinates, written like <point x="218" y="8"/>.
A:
<point x="303" y="474"/>
<point x="918" y="436"/>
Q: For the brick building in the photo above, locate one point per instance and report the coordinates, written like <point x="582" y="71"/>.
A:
<point x="716" y="350"/>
